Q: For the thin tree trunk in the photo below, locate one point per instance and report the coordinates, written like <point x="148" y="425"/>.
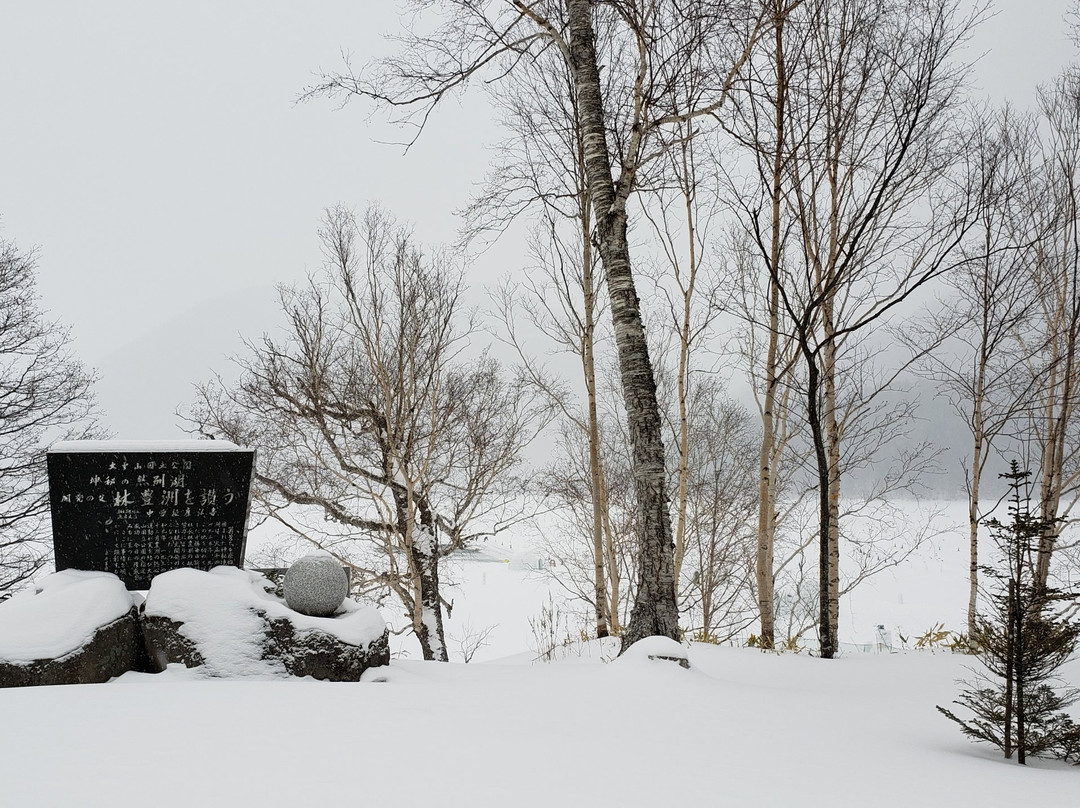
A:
<point x="832" y="445"/>
<point x="1058" y="414"/>
<point x="1010" y="651"/>
<point x="767" y="482"/>
<point x="1059" y="396"/>
<point x="826" y="634"/>
<point x="766" y="527"/>
<point x="614" y="575"/>
<point x="595" y="480"/>
<point x="1067" y="334"/>
<point x="1021" y="740"/>
<point x="1017" y="613"/>
<point x="977" y="449"/>
<point x="1051" y="458"/>
<point x="423" y="544"/>
<point x="687" y="181"/>
<point x="973" y="526"/>
<point x="655" y="610"/>
<point x="683" y="472"/>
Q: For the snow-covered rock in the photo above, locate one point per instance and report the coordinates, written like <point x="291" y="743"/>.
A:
<point x="72" y="627"/>
<point x="658" y="648"/>
<point x="316" y="585"/>
<point x="228" y="623"/>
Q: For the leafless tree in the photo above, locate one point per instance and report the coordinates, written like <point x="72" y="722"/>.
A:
<point x="45" y="396"/>
<point x="759" y="124"/>
<point x="565" y="482"/>
<point x="1055" y="274"/>
<point x="981" y="365"/>
<point x="472" y="639"/>
<point x="681" y="204"/>
<point x="626" y="113"/>
<point x="868" y="144"/>
<point x="716" y="590"/>
<point x="370" y="413"/>
<point x="541" y="168"/>
<point x="560" y="301"/>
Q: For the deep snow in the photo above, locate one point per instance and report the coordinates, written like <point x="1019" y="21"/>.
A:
<point x="740" y="728"/>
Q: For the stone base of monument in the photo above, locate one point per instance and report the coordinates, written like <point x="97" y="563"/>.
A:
<point x="324" y="655"/>
<point x="74" y="628"/>
<point x="285" y="649"/>
<point x="228" y="623"/>
<point x="112" y="650"/>
<point x="84" y="627"/>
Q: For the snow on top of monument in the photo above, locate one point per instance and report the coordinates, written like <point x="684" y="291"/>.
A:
<point x="145" y="446"/>
<point x="218" y="612"/>
<point x="60" y="614"/>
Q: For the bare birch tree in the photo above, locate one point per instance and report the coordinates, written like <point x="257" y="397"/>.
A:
<point x="869" y="141"/>
<point x="565" y="482"/>
<point x="717" y="591"/>
<point x="759" y="124"/>
<point x="561" y="302"/>
<point x="681" y="204"/>
<point x="651" y="47"/>
<point x="1056" y="278"/>
<point x="980" y="368"/>
<point x="541" y="167"/>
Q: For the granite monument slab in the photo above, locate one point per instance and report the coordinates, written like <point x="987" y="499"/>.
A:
<point x="140" y="508"/>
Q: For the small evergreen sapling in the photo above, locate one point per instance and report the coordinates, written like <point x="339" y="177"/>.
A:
<point x="1021" y="643"/>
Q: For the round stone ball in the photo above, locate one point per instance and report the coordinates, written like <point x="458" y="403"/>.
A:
<point x="316" y="585"/>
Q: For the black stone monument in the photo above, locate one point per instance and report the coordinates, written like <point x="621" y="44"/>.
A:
<point x="137" y="509"/>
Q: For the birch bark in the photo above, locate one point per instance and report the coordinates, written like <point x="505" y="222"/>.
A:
<point x="655" y="611"/>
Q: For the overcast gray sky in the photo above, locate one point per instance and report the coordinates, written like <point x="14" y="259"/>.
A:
<point x="154" y="155"/>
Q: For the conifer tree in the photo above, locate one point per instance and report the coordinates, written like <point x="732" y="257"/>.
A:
<point x="1017" y="702"/>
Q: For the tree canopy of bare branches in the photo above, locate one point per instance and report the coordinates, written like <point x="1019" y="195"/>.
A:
<point x="370" y="412"/>
<point x="854" y="143"/>
<point x="45" y="396"/>
<point x="628" y="91"/>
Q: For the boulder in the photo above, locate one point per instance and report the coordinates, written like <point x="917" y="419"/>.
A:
<point x="71" y="628"/>
<point x="322" y="654"/>
<point x="228" y="623"/>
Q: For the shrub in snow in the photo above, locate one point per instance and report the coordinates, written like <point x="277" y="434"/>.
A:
<point x="71" y="628"/>
<point x="316" y="585"/>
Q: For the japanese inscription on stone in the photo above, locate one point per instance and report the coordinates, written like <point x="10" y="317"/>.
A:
<point x="137" y="510"/>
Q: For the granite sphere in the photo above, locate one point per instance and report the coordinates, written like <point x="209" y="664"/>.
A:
<point x="316" y="585"/>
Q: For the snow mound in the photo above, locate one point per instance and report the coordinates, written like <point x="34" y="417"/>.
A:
<point x="60" y="614"/>
<point x="656" y="648"/>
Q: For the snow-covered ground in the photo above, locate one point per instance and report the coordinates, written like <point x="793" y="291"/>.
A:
<point x="740" y="728"/>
